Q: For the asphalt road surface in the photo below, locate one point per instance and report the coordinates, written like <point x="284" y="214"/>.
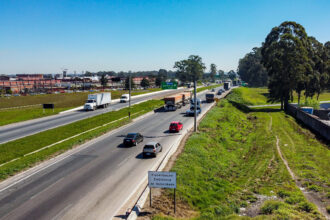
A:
<point x="19" y="130"/>
<point x="94" y="181"/>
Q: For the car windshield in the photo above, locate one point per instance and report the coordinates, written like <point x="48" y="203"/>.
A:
<point x="124" y="97"/>
<point x="173" y="125"/>
<point x="131" y="135"/>
<point x="90" y="101"/>
<point x="149" y="147"/>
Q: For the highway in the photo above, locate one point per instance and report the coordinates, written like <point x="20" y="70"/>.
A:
<point x="19" y="130"/>
<point x="93" y="181"/>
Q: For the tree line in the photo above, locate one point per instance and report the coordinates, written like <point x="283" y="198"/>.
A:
<point x="288" y="61"/>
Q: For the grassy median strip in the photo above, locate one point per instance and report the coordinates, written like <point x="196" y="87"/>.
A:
<point x="231" y="169"/>
<point x="62" y="102"/>
<point x="207" y="87"/>
<point x="18" y="148"/>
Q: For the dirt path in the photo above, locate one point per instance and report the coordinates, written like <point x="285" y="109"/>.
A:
<point x="310" y="196"/>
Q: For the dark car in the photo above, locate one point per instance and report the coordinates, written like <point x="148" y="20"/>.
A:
<point x="219" y="92"/>
<point x="151" y="149"/>
<point x="132" y="139"/>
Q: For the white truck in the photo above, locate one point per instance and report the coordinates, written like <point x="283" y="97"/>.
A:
<point x="97" y="100"/>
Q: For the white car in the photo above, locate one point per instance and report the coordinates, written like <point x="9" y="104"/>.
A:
<point x="124" y="98"/>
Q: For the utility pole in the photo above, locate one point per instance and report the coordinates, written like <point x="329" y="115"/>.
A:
<point x="129" y="99"/>
<point x="195" y="106"/>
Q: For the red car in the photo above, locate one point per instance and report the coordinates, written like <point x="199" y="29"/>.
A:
<point x="175" y="126"/>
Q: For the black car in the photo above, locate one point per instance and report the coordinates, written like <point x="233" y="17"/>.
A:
<point x="133" y="139"/>
<point x="219" y="92"/>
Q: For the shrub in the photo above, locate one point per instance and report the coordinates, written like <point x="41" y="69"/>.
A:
<point x="270" y="206"/>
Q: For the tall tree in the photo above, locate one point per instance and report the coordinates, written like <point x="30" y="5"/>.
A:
<point x="213" y="72"/>
<point x="232" y="75"/>
<point x="104" y="81"/>
<point x="145" y="83"/>
<point x="222" y="75"/>
<point x="251" y="70"/>
<point x="284" y="54"/>
<point x="190" y="69"/>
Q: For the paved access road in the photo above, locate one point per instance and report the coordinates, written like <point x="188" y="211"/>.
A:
<point x="93" y="181"/>
<point x="19" y="130"/>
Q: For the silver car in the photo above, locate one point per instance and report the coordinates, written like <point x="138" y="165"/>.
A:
<point x="151" y="149"/>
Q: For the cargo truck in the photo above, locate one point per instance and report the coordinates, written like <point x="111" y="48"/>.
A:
<point x="186" y="96"/>
<point x="226" y="85"/>
<point x="173" y="102"/>
<point x="209" y="97"/>
<point x="97" y="100"/>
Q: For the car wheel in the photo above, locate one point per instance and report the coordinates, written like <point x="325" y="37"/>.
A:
<point x="143" y="155"/>
<point x="161" y="149"/>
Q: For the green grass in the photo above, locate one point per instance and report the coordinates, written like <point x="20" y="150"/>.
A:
<point x="23" y="114"/>
<point x="258" y="96"/>
<point x="62" y="102"/>
<point x="230" y="161"/>
<point x="207" y="87"/>
<point x="19" y="148"/>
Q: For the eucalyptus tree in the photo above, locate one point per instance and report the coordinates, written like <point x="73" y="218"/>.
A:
<point x="213" y="72"/>
<point x="285" y="56"/>
<point x="191" y="69"/>
<point x="251" y="70"/>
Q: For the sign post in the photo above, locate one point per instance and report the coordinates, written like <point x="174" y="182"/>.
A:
<point x="162" y="180"/>
<point x="44" y="106"/>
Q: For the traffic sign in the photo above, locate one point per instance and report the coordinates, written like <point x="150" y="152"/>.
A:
<point x="169" y="85"/>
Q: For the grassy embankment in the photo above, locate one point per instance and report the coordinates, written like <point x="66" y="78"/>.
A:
<point x="62" y="102"/>
<point x="258" y="96"/>
<point x="232" y="164"/>
<point x="18" y="148"/>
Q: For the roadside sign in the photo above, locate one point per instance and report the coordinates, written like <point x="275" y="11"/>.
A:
<point x="161" y="179"/>
<point x="169" y="85"/>
<point x="48" y="105"/>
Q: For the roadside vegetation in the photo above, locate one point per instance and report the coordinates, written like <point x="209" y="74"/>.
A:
<point x="207" y="87"/>
<point x="21" y="150"/>
<point x="259" y="96"/>
<point x="231" y="168"/>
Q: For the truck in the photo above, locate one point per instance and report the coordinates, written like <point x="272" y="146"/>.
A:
<point x="97" y="100"/>
<point x="226" y="85"/>
<point x="173" y="102"/>
<point x="186" y="96"/>
<point x="209" y="97"/>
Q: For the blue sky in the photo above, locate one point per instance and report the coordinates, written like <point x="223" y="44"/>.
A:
<point x="44" y="36"/>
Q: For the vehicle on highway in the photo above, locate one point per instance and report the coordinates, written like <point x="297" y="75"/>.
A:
<point x="219" y="92"/>
<point x="209" y="97"/>
<point x="152" y="149"/>
<point x="198" y="101"/>
<point x="190" y="112"/>
<point x="227" y="85"/>
<point x="173" y="102"/>
<point x="175" y="126"/>
<point x="97" y="100"/>
<point x="124" y="98"/>
<point x="213" y="90"/>
<point x="132" y="139"/>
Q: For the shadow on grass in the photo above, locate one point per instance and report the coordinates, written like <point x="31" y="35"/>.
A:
<point x="246" y="109"/>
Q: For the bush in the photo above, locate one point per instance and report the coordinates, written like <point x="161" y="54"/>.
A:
<point x="310" y="103"/>
<point x="305" y="206"/>
<point x="270" y="206"/>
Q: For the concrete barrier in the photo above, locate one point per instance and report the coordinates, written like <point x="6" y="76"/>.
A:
<point x="311" y="121"/>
